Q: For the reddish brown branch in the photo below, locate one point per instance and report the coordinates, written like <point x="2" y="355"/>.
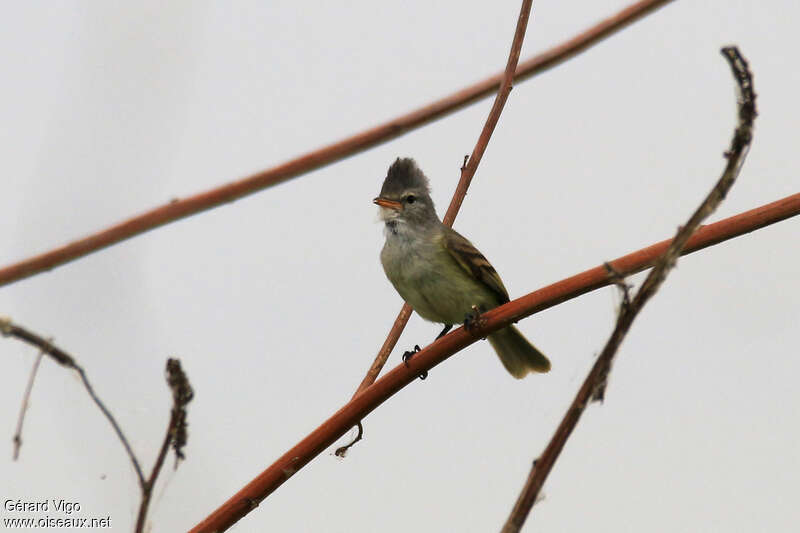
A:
<point x="388" y="345"/>
<point x="333" y="428"/>
<point x="180" y="208"/>
<point x="467" y="172"/>
<point x="594" y="386"/>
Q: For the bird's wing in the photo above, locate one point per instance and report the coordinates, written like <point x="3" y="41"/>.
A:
<point x="474" y="263"/>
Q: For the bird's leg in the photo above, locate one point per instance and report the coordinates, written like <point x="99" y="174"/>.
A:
<point x="409" y="354"/>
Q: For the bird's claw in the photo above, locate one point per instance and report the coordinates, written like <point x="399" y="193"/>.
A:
<point x="407" y="357"/>
<point x="473" y="320"/>
<point x="409" y="354"/>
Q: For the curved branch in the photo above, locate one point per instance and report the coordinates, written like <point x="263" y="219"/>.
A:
<point x="181" y="208"/>
<point x="182" y="394"/>
<point x="9" y="329"/>
<point x="302" y="453"/>
<point x="593" y="387"/>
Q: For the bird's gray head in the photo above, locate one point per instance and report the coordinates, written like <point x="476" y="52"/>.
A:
<point x="405" y="196"/>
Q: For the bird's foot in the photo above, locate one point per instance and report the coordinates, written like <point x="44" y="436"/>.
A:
<point x="474" y="320"/>
<point x="409" y="354"/>
<point x="407" y="357"/>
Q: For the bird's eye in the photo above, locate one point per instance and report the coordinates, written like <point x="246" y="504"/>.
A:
<point x="410" y="199"/>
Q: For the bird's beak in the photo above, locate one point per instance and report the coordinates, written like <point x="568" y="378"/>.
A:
<point x="391" y="204"/>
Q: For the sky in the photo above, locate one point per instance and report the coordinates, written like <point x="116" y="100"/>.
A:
<point x="276" y="304"/>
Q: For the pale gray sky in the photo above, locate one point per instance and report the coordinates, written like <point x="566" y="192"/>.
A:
<point x="277" y="304"/>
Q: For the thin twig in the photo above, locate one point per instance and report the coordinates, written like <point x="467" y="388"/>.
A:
<point x="340" y="422"/>
<point x="624" y="287"/>
<point x="375" y="369"/>
<point x="341" y="451"/>
<point x="388" y="345"/>
<point x="468" y="169"/>
<point x="112" y="421"/>
<point x="9" y="329"/>
<point x="181" y="208"/>
<point x="24" y="407"/>
<point x="182" y="394"/>
<point x="176" y="436"/>
<point x="147" y="488"/>
<point x="594" y="385"/>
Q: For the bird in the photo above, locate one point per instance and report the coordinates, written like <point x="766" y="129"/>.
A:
<point x="440" y="273"/>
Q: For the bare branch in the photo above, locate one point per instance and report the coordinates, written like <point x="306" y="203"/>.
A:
<point x="24" y="407"/>
<point x="594" y="385"/>
<point x="191" y="205"/>
<point x="340" y="422"/>
<point x="341" y="451"/>
<point x="468" y="169"/>
<point x="470" y="165"/>
<point x="624" y="288"/>
<point x="9" y="329"/>
<point x="388" y="345"/>
<point x="176" y="436"/>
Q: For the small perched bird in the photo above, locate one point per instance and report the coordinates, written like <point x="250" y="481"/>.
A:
<point x="439" y="273"/>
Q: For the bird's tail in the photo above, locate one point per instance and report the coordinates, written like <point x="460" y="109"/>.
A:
<point x="517" y="354"/>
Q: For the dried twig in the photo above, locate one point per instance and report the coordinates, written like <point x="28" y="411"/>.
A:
<point x="624" y="288"/>
<point x="9" y="329"/>
<point x="341" y="451"/>
<point x="181" y="208"/>
<point x="326" y="434"/>
<point x="386" y="349"/>
<point x="176" y="430"/>
<point x="24" y="407"/>
<point x="594" y="385"/>
<point x="176" y="436"/>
